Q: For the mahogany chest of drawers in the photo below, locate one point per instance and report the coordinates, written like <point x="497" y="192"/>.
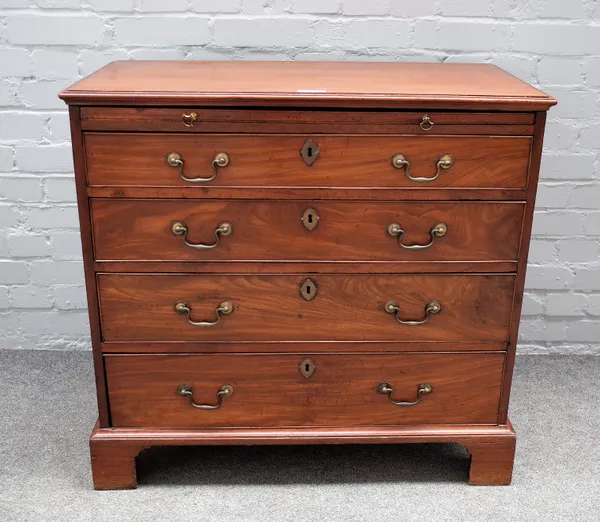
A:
<point x="284" y="253"/>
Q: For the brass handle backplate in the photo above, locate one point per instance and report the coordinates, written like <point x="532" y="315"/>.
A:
<point x="224" y="391"/>
<point x="182" y="308"/>
<point x="446" y="162"/>
<point x="189" y="119"/>
<point x="179" y="228"/>
<point x="385" y="388"/>
<point x="432" y="308"/>
<point x="221" y="160"/>
<point x="395" y="230"/>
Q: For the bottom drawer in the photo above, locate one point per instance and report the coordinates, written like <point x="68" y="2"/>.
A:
<point x="295" y="391"/>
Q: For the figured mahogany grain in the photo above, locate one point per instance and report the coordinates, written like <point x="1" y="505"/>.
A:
<point x="271" y="230"/>
<point x="269" y="391"/>
<point x="270" y="308"/>
<point x="122" y="159"/>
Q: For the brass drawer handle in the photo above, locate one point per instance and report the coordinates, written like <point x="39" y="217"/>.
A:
<point x="395" y="230"/>
<point x="224" y="391"/>
<point x="385" y="388"/>
<point x="432" y="308"/>
<point x="446" y="162"/>
<point x="179" y="228"/>
<point x="182" y="308"/>
<point x="189" y="119"/>
<point x="221" y="160"/>
<point x="426" y="123"/>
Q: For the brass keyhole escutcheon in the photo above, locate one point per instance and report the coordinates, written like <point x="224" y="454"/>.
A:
<point x="308" y="289"/>
<point x="307" y="368"/>
<point x="310" y="152"/>
<point x="310" y="218"/>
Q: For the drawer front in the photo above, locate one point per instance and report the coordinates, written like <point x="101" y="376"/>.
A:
<point x="271" y="391"/>
<point x="200" y="120"/>
<point x="118" y="159"/>
<point x="345" y="307"/>
<point x="305" y="231"/>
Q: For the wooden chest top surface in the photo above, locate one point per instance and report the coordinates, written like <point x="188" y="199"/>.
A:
<point x="335" y="84"/>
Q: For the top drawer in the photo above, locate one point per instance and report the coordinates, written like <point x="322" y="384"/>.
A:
<point x="257" y="121"/>
<point x="295" y="161"/>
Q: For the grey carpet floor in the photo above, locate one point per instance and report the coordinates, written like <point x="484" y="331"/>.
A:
<point x="47" y="409"/>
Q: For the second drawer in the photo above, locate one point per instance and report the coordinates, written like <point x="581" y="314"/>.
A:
<point x="178" y="230"/>
<point x="316" y="307"/>
<point x="271" y="161"/>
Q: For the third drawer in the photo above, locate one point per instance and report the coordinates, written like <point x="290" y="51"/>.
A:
<point x="309" y="307"/>
<point x="179" y="230"/>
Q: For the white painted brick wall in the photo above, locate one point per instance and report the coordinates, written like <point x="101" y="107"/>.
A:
<point x="46" y="45"/>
